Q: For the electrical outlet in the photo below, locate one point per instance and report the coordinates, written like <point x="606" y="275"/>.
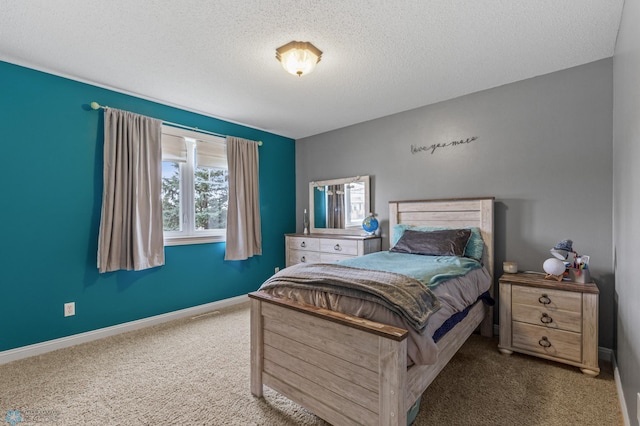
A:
<point x="69" y="309"/>
<point x="277" y="269"/>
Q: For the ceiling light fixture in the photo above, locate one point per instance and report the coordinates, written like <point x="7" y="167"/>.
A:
<point x="298" y="57"/>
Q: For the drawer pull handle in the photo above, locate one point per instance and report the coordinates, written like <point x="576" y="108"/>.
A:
<point x="303" y="244"/>
<point x="544" y="299"/>
<point x="546" y="319"/>
<point x="303" y="259"/>
<point x="544" y="342"/>
<point x="337" y="247"/>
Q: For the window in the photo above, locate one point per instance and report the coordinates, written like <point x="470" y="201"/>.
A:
<point x="195" y="189"/>
<point x="354" y="200"/>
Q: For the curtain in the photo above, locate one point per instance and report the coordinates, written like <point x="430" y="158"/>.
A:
<point x="244" y="237"/>
<point x="335" y="206"/>
<point x="131" y="230"/>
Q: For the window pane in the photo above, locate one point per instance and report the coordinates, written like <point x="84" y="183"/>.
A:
<point x="171" y="196"/>
<point x="211" y="198"/>
<point x="355" y="204"/>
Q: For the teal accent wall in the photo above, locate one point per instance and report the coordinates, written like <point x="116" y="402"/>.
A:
<point x="51" y="144"/>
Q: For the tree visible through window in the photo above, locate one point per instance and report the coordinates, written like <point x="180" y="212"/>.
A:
<point x="211" y="198"/>
<point x="171" y="196"/>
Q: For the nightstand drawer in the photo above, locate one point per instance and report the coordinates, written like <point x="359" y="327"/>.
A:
<point x="302" y="243"/>
<point x="552" y="300"/>
<point x="336" y="246"/>
<point x="549" y="318"/>
<point x="302" y="256"/>
<point x="555" y="343"/>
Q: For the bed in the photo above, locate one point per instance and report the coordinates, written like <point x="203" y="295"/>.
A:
<point x="349" y="370"/>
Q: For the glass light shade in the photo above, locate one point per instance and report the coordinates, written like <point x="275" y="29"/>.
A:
<point x="298" y="57"/>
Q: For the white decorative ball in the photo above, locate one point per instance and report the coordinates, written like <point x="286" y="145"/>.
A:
<point x="554" y="266"/>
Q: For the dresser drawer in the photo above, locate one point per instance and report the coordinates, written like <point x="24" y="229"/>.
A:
<point x="556" y="343"/>
<point x="302" y="256"/>
<point x="333" y="257"/>
<point x="549" y="318"/>
<point x="338" y="246"/>
<point x="551" y="300"/>
<point x="302" y="248"/>
<point x="303" y="243"/>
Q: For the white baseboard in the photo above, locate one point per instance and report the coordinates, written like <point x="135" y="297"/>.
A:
<point x="65" y="342"/>
<point x="623" y="404"/>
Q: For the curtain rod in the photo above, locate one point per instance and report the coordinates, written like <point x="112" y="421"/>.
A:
<point x="96" y="106"/>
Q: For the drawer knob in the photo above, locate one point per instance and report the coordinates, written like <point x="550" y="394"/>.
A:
<point x="303" y="259"/>
<point x="337" y="247"/>
<point x="544" y="299"/>
<point x="303" y="244"/>
<point x="546" y="319"/>
<point x="544" y="342"/>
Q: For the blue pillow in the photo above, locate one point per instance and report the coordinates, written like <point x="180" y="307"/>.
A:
<point x="474" y="248"/>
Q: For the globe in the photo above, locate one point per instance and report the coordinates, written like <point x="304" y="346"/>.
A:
<point x="370" y="224"/>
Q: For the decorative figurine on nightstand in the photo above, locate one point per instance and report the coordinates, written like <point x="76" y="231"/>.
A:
<point x="370" y="224"/>
<point x="555" y="267"/>
<point x="562" y="249"/>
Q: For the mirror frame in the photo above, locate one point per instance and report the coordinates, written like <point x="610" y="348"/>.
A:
<point x="344" y="231"/>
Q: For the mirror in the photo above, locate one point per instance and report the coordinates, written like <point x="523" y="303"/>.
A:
<point x="338" y="206"/>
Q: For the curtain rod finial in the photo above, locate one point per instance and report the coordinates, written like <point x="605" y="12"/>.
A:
<point x="94" y="105"/>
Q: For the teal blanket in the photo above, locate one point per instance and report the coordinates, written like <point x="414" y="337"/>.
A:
<point x="430" y="270"/>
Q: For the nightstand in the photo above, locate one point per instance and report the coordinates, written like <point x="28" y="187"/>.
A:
<point x="550" y="319"/>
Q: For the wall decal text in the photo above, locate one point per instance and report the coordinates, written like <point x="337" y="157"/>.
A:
<point x="415" y="149"/>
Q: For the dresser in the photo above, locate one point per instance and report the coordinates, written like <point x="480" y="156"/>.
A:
<point x="550" y="319"/>
<point x="314" y="248"/>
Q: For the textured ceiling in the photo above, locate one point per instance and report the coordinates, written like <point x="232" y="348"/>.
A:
<point x="380" y="57"/>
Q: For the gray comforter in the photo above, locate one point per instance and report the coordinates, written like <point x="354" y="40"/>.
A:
<point x="401" y="294"/>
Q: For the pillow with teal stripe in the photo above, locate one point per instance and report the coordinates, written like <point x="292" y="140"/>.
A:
<point x="475" y="246"/>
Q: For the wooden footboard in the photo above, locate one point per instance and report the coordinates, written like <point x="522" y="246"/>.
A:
<point x="346" y="370"/>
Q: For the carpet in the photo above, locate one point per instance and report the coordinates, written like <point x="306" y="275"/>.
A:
<point x="195" y="371"/>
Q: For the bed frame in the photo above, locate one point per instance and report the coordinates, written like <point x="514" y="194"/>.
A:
<point x="352" y="371"/>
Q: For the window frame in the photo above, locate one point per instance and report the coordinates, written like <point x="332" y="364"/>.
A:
<point x="188" y="234"/>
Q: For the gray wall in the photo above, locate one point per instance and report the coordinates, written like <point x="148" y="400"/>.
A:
<point x="544" y="150"/>
<point x="626" y="184"/>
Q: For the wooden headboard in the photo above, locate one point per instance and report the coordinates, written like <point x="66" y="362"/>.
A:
<point x="451" y="213"/>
